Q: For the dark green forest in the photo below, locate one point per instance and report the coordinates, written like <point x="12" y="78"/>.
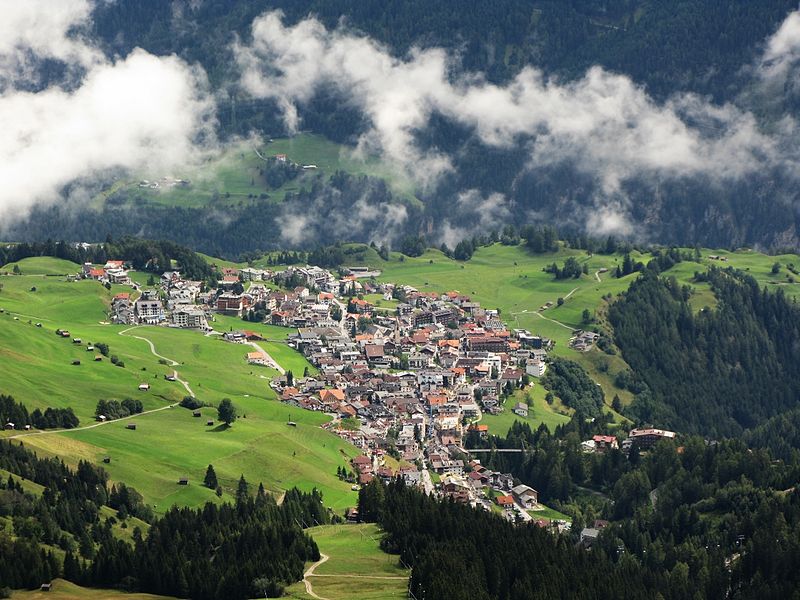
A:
<point x="252" y="548"/>
<point x="738" y="363"/>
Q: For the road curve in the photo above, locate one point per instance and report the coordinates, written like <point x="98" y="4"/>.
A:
<point x="310" y="572"/>
<point x="171" y="362"/>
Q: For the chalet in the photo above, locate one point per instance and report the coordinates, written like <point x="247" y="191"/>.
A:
<point x="525" y="495"/>
<point x="9" y="425"/>
<point x="605" y="442"/>
<point x="505" y="502"/>
<point x="521" y="409"/>
<point x="143" y="387"/>
<point x="257" y="358"/>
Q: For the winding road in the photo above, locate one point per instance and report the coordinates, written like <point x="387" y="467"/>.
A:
<point x="171" y="362"/>
<point x="310" y="572"/>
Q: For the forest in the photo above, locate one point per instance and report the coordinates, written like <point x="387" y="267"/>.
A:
<point x="738" y="363"/>
<point x="704" y="517"/>
<point x="251" y="548"/>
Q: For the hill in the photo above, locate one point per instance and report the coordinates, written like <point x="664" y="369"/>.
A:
<point x="66" y="590"/>
<point x="168" y="443"/>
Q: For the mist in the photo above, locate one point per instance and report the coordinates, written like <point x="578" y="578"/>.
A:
<point x="119" y="114"/>
<point x="603" y="124"/>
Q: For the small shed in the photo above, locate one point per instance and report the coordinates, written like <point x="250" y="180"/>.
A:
<point x="76" y="340"/>
<point x="76" y="362"/>
<point x="107" y="459"/>
<point x="131" y="426"/>
<point x="183" y="481"/>
<point x="292" y="424"/>
<point x="98" y="357"/>
<point x="46" y="587"/>
<point x="9" y="425"/>
<point x="210" y="422"/>
<point x="197" y="413"/>
<point x="143" y="387"/>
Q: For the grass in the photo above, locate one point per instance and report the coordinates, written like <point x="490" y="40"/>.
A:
<point x="46" y="265"/>
<point x="234" y="177"/>
<point x="65" y="590"/>
<point x="353" y="551"/>
<point x="37" y="370"/>
<point x="539" y="413"/>
<point x="549" y="514"/>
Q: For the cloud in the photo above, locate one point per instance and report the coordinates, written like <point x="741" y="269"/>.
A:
<point x="483" y="213"/>
<point x="603" y="123"/>
<point x="33" y="30"/>
<point x="137" y="112"/>
<point x="782" y="50"/>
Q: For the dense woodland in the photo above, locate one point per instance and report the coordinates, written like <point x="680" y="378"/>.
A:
<point x="738" y="363"/>
<point x="683" y="511"/>
<point x="252" y="548"/>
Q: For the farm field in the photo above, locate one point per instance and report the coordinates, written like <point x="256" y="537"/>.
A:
<point x="170" y="443"/>
<point x="356" y="569"/>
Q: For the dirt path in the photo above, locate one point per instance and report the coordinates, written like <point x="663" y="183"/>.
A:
<point x="538" y="314"/>
<point x="171" y="362"/>
<point x="597" y="276"/>
<point x="92" y="426"/>
<point x="310" y="572"/>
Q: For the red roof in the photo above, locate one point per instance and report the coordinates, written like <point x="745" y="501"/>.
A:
<point x="505" y="500"/>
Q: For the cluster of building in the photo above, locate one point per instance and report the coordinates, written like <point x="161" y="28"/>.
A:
<point x="113" y="271"/>
<point x="643" y="439"/>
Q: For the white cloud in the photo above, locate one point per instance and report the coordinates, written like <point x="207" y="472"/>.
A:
<point x="782" y="50"/>
<point x="32" y="30"/>
<point x="603" y="123"/>
<point x="141" y="111"/>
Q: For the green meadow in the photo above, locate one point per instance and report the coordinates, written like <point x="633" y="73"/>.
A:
<point x="66" y="590"/>
<point x="540" y="412"/>
<point x="357" y="569"/>
<point x="168" y="444"/>
<point x="233" y="176"/>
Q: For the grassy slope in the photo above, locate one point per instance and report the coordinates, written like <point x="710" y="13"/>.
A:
<point x="541" y="412"/>
<point x="45" y="265"/>
<point x="168" y="443"/>
<point x="233" y="177"/>
<point x="65" y="590"/>
<point x="353" y="550"/>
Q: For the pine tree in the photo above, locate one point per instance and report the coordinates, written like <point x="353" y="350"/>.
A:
<point x="210" y="480"/>
<point x="242" y="491"/>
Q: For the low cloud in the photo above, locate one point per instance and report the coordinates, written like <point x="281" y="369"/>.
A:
<point x="137" y="112"/>
<point x="603" y="123"/>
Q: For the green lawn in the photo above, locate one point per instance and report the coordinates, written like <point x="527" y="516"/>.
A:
<point x="353" y="551"/>
<point x="541" y="412"/>
<point x="45" y="265"/>
<point x="549" y="514"/>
